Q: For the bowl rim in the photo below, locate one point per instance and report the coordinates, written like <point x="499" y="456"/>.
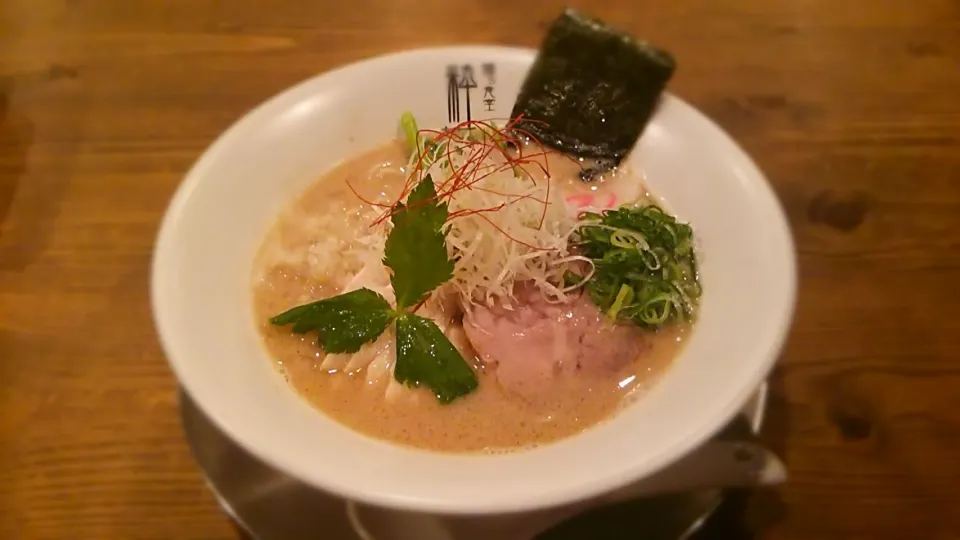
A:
<point x="682" y="445"/>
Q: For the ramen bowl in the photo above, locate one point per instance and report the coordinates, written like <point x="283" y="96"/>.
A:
<point x="201" y="290"/>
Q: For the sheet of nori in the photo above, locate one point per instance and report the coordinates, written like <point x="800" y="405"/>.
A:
<point x="592" y="89"/>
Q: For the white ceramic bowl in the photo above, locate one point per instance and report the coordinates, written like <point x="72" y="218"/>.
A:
<point x="201" y="292"/>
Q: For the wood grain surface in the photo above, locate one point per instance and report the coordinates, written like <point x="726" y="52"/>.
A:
<point x="852" y="107"/>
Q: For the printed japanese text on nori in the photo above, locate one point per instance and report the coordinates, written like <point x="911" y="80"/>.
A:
<point x="592" y="89"/>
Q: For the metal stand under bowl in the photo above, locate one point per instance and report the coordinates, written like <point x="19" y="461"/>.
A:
<point x="269" y="505"/>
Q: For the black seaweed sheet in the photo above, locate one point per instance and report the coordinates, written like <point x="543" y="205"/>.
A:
<point x="592" y="89"/>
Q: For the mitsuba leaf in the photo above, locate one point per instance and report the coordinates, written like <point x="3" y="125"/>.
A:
<point x="344" y="322"/>
<point x="415" y="249"/>
<point x="426" y="357"/>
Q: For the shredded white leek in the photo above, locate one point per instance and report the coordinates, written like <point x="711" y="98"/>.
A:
<point x="514" y="237"/>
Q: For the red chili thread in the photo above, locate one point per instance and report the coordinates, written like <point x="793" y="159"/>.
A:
<point x="474" y="169"/>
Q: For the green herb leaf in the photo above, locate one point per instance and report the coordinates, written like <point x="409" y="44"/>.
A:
<point x="425" y="356"/>
<point x="416" y="250"/>
<point x="345" y="322"/>
<point x="645" y="266"/>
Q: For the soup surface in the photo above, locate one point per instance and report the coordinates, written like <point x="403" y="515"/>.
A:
<point x="323" y="239"/>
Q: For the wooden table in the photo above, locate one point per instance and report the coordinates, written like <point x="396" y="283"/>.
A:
<point x="852" y="107"/>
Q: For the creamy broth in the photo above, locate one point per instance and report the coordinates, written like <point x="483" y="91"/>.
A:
<point x="290" y="270"/>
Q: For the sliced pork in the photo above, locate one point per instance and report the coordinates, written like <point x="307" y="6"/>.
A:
<point x="530" y="342"/>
